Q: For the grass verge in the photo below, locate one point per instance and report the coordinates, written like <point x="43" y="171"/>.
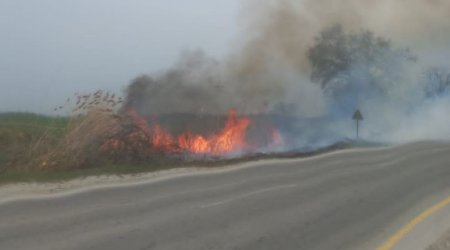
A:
<point x="9" y="176"/>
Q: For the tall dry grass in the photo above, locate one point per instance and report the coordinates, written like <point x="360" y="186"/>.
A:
<point x="79" y="147"/>
<point x="92" y="121"/>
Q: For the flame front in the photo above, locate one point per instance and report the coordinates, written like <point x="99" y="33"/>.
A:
<point x="228" y="140"/>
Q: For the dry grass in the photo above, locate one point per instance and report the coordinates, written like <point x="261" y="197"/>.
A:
<point x="80" y="145"/>
<point x="74" y="143"/>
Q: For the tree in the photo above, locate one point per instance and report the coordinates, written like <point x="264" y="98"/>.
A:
<point x="336" y="53"/>
<point x="330" y="55"/>
<point x="437" y="81"/>
<point x="354" y="67"/>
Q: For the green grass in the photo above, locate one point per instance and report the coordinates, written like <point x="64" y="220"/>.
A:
<point x="17" y="130"/>
<point x="30" y="122"/>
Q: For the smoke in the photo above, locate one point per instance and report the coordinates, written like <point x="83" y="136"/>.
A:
<point x="290" y="26"/>
<point x="269" y="72"/>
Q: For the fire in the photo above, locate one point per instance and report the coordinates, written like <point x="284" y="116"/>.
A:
<point x="230" y="139"/>
<point x="277" y="139"/>
<point x="160" y="138"/>
<point x="141" y="139"/>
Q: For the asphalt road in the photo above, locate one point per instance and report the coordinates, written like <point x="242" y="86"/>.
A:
<point x="346" y="200"/>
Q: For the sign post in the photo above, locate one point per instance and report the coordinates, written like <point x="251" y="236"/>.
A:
<point x="357" y="116"/>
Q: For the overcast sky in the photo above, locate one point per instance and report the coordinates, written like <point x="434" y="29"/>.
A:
<point x="51" y="49"/>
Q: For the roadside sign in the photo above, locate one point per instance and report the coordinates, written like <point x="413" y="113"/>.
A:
<point x="357" y="116"/>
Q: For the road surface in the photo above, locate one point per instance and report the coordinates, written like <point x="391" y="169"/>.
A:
<point x="344" y="200"/>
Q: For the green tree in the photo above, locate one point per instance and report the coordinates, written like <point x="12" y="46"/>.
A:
<point x="336" y="52"/>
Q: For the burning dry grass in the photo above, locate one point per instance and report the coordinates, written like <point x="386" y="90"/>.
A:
<point x="80" y="146"/>
<point x="155" y="138"/>
<point x="104" y="133"/>
<point x="100" y="133"/>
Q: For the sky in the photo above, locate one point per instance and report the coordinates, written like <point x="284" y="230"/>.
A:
<point x="52" y="49"/>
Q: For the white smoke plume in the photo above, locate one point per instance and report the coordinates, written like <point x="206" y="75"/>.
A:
<point x="270" y="71"/>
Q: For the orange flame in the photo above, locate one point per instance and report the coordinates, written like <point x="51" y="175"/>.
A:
<point x="230" y="139"/>
<point x="161" y="138"/>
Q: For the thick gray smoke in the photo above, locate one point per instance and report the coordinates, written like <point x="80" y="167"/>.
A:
<point x="316" y="60"/>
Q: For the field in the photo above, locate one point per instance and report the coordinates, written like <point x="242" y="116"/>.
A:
<point x="18" y="130"/>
